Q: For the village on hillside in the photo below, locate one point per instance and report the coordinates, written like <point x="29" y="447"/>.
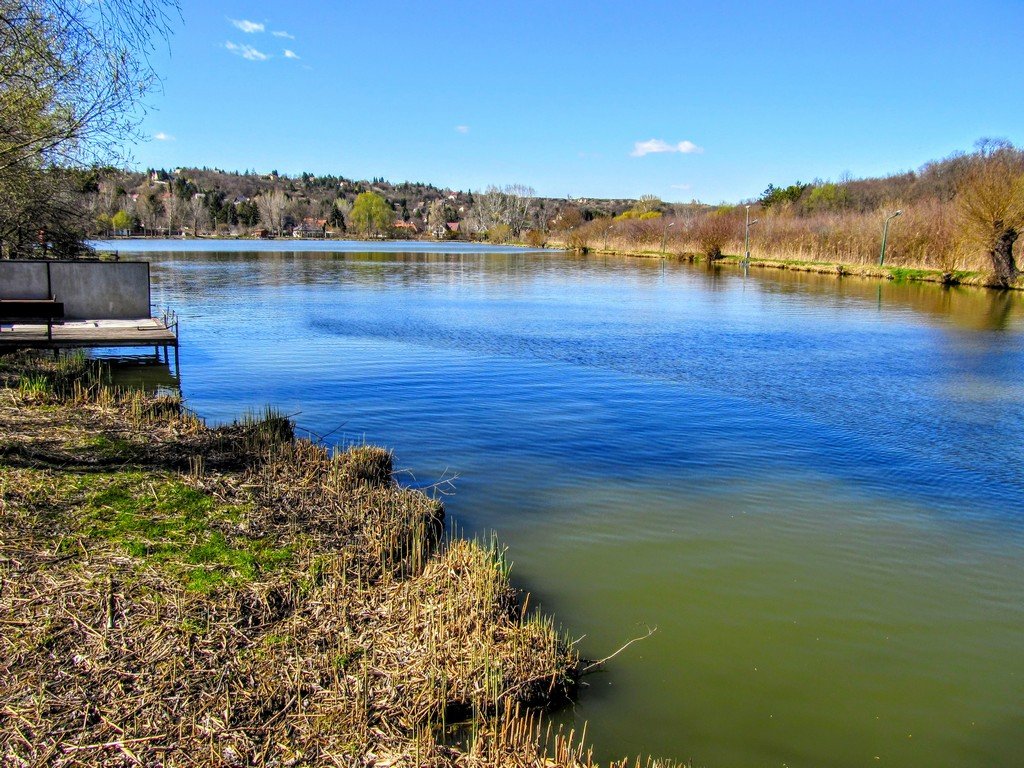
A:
<point x="202" y="202"/>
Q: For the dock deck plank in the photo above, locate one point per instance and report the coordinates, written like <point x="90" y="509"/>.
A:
<point x="141" y="332"/>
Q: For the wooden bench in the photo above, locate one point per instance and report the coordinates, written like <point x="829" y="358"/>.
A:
<point x="32" y="311"/>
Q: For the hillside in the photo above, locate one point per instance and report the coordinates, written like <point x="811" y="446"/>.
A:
<point x="821" y="221"/>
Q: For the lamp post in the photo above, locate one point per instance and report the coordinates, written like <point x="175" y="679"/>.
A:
<point x="885" y="235"/>
<point x="746" y="236"/>
<point x="664" y="236"/>
<point x="606" y="231"/>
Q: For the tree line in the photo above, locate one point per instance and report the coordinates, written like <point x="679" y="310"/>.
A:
<point x="212" y="201"/>
<point x="958" y="215"/>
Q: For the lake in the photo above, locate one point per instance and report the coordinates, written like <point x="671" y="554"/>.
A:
<point x="813" y="487"/>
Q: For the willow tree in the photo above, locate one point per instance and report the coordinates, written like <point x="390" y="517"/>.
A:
<point x="991" y="204"/>
<point x="73" y="74"/>
<point x="371" y="214"/>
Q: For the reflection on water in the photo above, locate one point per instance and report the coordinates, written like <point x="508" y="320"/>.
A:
<point x="152" y="373"/>
<point x="153" y="370"/>
<point x="963" y="306"/>
<point x="812" y="487"/>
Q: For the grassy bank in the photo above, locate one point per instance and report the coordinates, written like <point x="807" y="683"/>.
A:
<point x="860" y="268"/>
<point x="176" y="595"/>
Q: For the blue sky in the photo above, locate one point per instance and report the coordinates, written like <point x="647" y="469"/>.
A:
<point x="682" y="100"/>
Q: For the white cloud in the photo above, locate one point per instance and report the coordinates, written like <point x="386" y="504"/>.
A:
<point x="652" y="146"/>
<point x="282" y="33"/>
<point x="161" y="136"/>
<point x="680" y="186"/>
<point x="290" y="54"/>
<point x="246" y="52"/>
<point x="462" y="128"/>
<point x="248" y="26"/>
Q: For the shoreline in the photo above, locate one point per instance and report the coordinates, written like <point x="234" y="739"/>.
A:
<point x="172" y="590"/>
<point x="834" y="268"/>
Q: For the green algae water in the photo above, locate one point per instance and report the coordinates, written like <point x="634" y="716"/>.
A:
<point x="812" y="488"/>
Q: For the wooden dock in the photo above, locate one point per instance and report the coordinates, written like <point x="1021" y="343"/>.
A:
<point x="142" y="332"/>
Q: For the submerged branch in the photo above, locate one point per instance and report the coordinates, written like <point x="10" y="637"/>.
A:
<point x="600" y="662"/>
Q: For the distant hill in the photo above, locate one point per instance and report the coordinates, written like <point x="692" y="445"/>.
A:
<point x="210" y="200"/>
<point x="229" y="199"/>
<point x="936" y="180"/>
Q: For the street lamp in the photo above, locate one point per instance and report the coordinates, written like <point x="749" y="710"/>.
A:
<point x="664" y="236"/>
<point x="746" y="236"/>
<point x="885" y="235"/>
<point x="606" y="231"/>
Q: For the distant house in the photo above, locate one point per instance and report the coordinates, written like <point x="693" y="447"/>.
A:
<point x="407" y="227"/>
<point x="311" y="228"/>
<point x="453" y="227"/>
<point x="261" y="234"/>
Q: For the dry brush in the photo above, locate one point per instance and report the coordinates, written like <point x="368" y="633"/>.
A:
<point x="176" y="595"/>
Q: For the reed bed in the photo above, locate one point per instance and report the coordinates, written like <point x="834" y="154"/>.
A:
<point x="928" y="237"/>
<point x="176" y="595"/>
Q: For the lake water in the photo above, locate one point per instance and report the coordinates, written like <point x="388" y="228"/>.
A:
<point x="813" y="488"/>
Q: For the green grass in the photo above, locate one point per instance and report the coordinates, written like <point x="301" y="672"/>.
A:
<point x="963" y="275"/>
<point x="34" y="384"/>
<point x="105" y="447"/>
<point x="168" y="525"/>
<point x="904" y="273"/>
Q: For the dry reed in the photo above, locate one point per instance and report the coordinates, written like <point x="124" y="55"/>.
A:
<point x="927" y="237"/>
<point x="175" y="595"/>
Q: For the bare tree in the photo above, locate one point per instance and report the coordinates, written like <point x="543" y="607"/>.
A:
<point x="438" y="216"/>
<point x="198" y="213"/>
<point x="648" y="204"/>
<point x="520" y="199"/>
<point x="271" y="206"/>
<point x="507" y="206"/>
<point x="149" y="207"/>
<point x="107" y="197"/>
<point x="174" y="213"/>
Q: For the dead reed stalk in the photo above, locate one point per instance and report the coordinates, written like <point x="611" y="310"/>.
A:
<point x="176" y="595"/>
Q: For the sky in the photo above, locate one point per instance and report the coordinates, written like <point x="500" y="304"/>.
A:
<point x="683" y="100"/>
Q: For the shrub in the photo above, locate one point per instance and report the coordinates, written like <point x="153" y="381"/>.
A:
<point x="499" y="233"/>
<point x="712" y="233"/>
<point x="535" y="238"/>
<point x="578" y="240"/>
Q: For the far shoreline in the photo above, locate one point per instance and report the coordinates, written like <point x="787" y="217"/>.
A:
<point x="834" y="268"/>
<point x="837" y="269"/>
